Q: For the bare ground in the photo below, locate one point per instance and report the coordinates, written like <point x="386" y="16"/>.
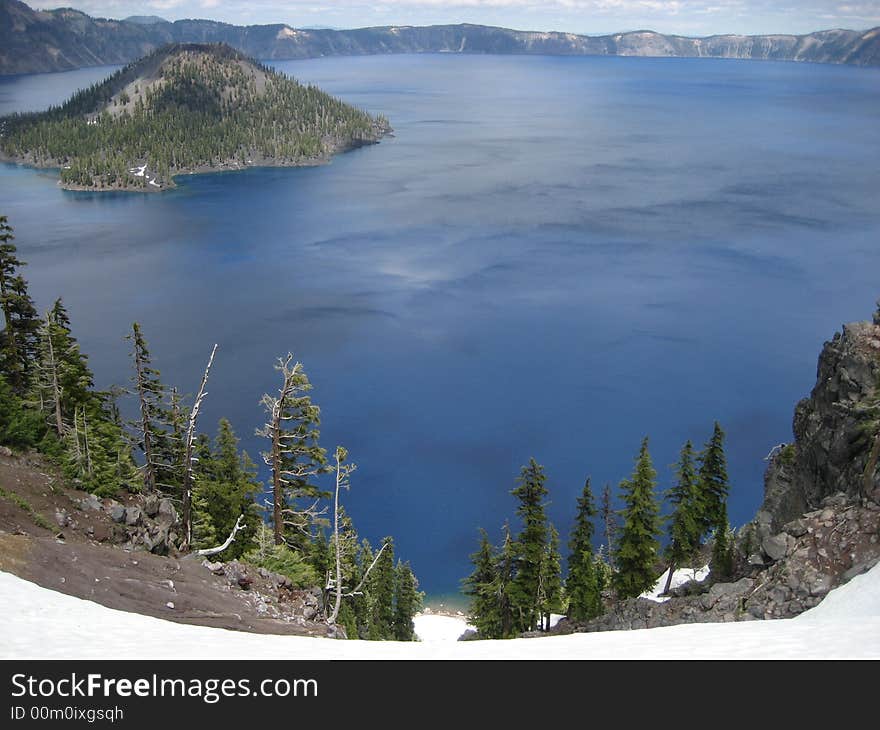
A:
<point x="80" y="560"/>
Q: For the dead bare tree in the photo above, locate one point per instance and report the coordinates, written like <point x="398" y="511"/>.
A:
<point x="294" y="457"/>
<point x="188" y="459"/>
<point x="229" y="540"/>
<point x="343" y="481"/>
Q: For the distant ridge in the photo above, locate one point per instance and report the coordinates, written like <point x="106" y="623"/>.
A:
<point x="56" y="40"/>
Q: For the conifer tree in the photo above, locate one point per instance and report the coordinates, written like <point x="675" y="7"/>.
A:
<point x="550" y="591"/>
<point x="151" y="428"/>
<point x="503" y="587"/>
<point x="608" y="523"/>
<point x="381" y="581"/>
<point x="721" y="566"/>
<point x="225" y="487"/>
<point x="581" y="586"/>
<point x="685" y="526"/>
<point x="480" y="586"/>
<point x="407" y="602"/>
<point x="18" y="339"/>
<point x="713" y="482"/>
<point x="294" y="457"/>
<point x="637" y="545"/>
<point x="525" y="591"/>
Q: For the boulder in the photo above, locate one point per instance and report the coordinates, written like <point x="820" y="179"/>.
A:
<point x="167" y="515"/>
<point x="117" y="513"/>
<point x="91" y="503"/>
<point x="62" y="519"/>
<point x="5" y="451"/>
<point x="775" y="546"/>
<point x="796" y="528"/>
<point x="133" y="516"/>
<point x="151" y="505"/>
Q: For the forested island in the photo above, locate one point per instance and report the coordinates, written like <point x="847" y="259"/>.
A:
<point x="185" y="108"/>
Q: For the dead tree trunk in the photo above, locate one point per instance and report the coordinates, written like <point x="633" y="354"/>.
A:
<point x="188" y="454"/>
<point x="668" y="579"/>
<point x="207" y="552"/>
<point x="342" y="482"/>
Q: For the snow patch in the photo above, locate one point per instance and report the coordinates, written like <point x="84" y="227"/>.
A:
<point x="679" y="578"/>
<point x="42" y="624"/>
<point x="431" y="628"/>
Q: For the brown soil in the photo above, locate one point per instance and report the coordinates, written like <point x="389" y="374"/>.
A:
<point x="80" y="560"/>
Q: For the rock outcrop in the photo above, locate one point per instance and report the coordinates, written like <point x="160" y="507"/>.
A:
<point x="834" y="430"/>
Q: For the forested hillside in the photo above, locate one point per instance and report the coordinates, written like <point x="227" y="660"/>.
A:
<point x="172" y="488"/>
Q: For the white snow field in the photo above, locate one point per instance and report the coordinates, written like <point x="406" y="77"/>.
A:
<point x="42" y="624"/>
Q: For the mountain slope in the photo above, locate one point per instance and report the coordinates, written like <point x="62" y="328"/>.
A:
<point x="35" y="41"/>
<point x="182" y="109"/>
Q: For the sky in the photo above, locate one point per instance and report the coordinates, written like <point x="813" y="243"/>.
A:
<point x="687" y="17"/>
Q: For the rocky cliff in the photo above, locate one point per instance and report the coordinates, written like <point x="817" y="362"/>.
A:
<point x="35" y="41"/>
<point x="834" y="429"/>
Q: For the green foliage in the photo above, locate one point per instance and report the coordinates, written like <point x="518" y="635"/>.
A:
<point x="721" y="565"/>
<point x="582" y="585"/>
<point x="226" y="487"/>
<point x="637" y="545"/>
<point x="153" y="430"/>
<point x="18" y="339"/>
<point x="203" y="107"/>
<point x="713" y="482"/>
<point x="294" y="456"/>
<point x="407" y="602"/>
<point x="526" y="592"/>
<point x="381" y="582"/>
<point x="20" y="427"/>
<point x="685" y="522"/>
<point x="787" y="454"/>
<point x="481" y="587"/>
<point x="281" y="559"/>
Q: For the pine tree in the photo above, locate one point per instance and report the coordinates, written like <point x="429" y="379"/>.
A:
<point x="525" y="592"/>
<point x="581" y="586"/>
<point x="381" y="579"/>
<point x="637" y="545"/>
<point x="608" y="522"/>
<point x="480" y="586"/>
<point x="713" y="482"/>
<point x="721" y="566"/>
<point x="295" y="457"/>
<point x="505" y="575"/>
<point x="685" y="526"/>
<point x="407" y="602"/>
<point x="550" y="592"/>
<point x="151" y="428"/>
<point x="225" y="487"/>
<point x="18" y="339"/>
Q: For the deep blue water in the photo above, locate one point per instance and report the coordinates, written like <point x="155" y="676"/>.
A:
<point x="553" y="257"/>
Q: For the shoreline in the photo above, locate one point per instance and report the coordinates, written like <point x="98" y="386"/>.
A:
<point x="205" y="169"/>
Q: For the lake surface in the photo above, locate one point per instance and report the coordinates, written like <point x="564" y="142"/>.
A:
<point x="553" y="257"/>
